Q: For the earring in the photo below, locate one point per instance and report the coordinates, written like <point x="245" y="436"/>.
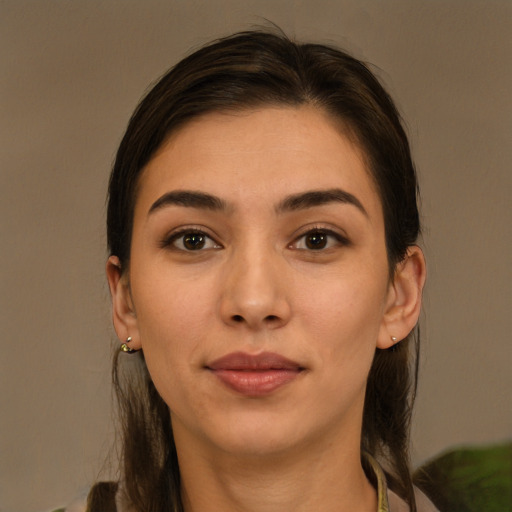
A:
<point x="125" y="348"/>
<point x="394" y="347"/>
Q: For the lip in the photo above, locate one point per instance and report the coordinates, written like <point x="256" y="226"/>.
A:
<point x="255" y="375"/>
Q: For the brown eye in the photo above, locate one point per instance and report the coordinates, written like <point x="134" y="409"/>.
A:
<point x="319" y="239"/>
<point x="189" y="241"/>
<point x="316" y="240"/>
<point x="194" y="241"/>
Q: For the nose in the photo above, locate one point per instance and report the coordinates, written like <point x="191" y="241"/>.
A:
<point x="254" y="291"/>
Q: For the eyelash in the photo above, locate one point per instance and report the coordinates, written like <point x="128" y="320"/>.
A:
<point x="170" y="241"/>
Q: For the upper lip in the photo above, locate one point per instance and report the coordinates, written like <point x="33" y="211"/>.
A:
<point x="264" y="361"/>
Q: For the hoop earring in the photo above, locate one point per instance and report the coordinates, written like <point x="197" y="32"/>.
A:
<point x="125" y="348"/>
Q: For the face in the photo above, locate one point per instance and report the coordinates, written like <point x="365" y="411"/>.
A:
<point x="258" y="284"/>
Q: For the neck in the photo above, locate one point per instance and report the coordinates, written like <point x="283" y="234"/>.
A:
<point x="322" y="476"/>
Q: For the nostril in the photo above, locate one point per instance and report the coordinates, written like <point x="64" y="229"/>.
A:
<point x="269" y="319"/>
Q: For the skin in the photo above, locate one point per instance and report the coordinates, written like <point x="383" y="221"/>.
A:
<point x="255" y="286"/>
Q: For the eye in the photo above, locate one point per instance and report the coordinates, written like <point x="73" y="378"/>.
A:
<point x="191" y="240"/>
<point x="319" y="239"/>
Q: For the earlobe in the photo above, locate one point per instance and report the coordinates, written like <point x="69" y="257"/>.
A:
<point x="123" y="313"/>
<point x="404" y="299"/>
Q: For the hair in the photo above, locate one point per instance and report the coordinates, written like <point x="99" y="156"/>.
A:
<point x="245" y="71"/>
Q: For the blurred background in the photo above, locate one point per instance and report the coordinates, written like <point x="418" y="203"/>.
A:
<point x="71" y="72"/>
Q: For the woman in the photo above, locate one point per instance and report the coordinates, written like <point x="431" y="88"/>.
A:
<point x="262" y="223"/>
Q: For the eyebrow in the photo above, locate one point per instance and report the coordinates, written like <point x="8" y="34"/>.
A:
<point x="190" y="199"/>
<point x="300" y="201"/>
<point x="314" y="198"/>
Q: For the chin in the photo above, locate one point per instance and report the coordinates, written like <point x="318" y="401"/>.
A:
<point x="254" y="435"/>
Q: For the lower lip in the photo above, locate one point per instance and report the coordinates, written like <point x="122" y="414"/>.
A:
<point x="256" y="383"/>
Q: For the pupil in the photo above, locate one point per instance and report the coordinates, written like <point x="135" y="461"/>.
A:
<point x="193" y="241"/>
<point x="316" y="241"/>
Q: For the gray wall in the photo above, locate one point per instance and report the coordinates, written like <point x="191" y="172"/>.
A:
<point x="72" y="71"/>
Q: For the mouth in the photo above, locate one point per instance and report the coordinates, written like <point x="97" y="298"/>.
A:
<point x="255" y="375"/>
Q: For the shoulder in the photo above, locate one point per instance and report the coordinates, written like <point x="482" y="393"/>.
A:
<point x="388" y="501"/>
<point x="423" y="504"/>
<point x="77" y="505"/>
<point x="102" y="496"/>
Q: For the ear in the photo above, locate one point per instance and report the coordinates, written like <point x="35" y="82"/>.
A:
<point x="123" y="313"/>
<point x="404" y="299"/>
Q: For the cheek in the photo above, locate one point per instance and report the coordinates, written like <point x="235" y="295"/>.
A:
<point x="170" y="311"/>
<point x="344" y="317"/>
<point x="172" y="320"/>
<point x="353" y="302"/>
<point x="172" y="336"/>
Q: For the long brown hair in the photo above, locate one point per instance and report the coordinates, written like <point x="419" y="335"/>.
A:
<point x="252" y="69"/>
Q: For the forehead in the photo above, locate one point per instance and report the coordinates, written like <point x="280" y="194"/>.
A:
<point x="258" y="154"/>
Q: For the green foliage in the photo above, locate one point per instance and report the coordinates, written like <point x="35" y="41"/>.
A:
<point x="469" y="479"/>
